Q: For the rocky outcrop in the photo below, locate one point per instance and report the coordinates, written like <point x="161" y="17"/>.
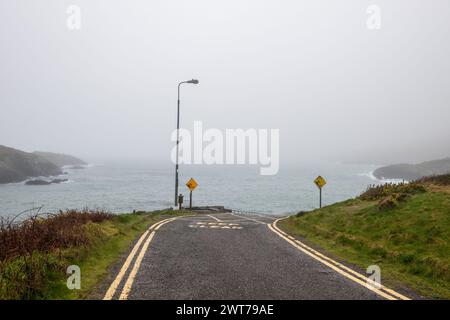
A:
<point x="39" y="182"/>
<point x="413" y="171"/>
<point x="16" y="166"/>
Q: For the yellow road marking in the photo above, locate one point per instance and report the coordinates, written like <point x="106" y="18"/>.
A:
<point x="331" y="266"/>
<point x="127" y="287"/>
<point x="129" y="283"/>
<point x="113" y="287"/>
<point x="338" y="267"/>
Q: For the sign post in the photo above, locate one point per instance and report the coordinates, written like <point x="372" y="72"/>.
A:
<point x="320" y="182"/>
<point x="191" y="184"/>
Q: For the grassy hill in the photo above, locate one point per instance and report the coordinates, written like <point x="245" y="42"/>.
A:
<point x="404" y="229"/>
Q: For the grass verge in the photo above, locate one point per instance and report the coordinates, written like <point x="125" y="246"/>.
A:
<point x="409" y="241"/>
<point x="41" y="274"/>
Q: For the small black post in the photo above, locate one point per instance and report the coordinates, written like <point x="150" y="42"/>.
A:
<point x="180" y="202"/>
<point x="190" y="200"/>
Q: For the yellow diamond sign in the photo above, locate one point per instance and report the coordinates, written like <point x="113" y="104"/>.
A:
<point x="320" y="182"/>
<point x="192" y="184"/>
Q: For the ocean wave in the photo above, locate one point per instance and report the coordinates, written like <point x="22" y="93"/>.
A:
<point x="84" y="166"/>
<point x="371" y="176"/>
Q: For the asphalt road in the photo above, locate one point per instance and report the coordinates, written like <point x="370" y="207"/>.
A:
<point x="228" y="256"/>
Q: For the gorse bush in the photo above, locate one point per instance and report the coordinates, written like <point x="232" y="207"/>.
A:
<point x="377" y="192"/>
<point x="443" y="180"/>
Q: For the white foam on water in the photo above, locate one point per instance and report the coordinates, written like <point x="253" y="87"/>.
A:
<point x="371" y="176"/>
<point x="122" y="187"/>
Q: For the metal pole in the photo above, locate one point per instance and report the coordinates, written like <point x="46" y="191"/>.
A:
<point x="193" y="81"/>
<point x="190" y="200"/>
<point x="320" y="198"/>
<point x="178" y="141"/>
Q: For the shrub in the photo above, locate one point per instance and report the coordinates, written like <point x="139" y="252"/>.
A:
<point x="45" y="234"/>
<point x="377" y="192"/>
<point x="30" y="251"/>
<point x="443" y="180"/>
<point x="25" y="277"/>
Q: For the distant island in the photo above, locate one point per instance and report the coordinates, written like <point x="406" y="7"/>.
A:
<point x="17" y="165"/>
<point x="413" y="171"/>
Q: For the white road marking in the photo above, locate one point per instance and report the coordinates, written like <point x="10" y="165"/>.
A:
<point x="262" y="215"/>
<point x="250" y="219"/>
<point x="216" y="225"/>
<point x="217" y="219"/>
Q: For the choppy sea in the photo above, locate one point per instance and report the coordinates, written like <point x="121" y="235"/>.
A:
<point x="121" y="188"/>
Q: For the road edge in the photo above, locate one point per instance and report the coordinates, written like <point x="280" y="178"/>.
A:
<point x="345" y="271"/>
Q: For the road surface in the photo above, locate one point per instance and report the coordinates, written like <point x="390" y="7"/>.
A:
<point x="232" y="256"/>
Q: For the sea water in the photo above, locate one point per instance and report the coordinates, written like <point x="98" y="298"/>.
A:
<point x="124" y="187"/>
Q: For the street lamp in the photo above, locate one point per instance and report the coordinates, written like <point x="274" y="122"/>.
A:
<point x="193" y="81"/>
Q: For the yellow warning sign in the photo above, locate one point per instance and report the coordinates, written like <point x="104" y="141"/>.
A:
<point x="192" y="184"/>
<point x="320" y="182"/>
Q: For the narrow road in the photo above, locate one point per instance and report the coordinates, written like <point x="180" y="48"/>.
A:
<point x="230" y="256"/>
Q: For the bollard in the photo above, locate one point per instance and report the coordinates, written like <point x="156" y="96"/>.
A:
<point x="180" y="201"/>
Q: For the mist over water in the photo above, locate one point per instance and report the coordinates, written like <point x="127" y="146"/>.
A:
<point x="337" y="91"/>
<point x="124" y="187"/>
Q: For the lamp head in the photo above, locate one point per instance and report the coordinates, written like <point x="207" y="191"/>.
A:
<point x="193" y="81"/>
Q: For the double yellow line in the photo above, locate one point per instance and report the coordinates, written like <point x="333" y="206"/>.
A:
<point x="137" y="263"/>
<point x="338" y="267"/>
<point x="148" y="235"/>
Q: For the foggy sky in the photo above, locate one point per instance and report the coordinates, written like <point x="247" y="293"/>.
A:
<point x="336" y="90"/>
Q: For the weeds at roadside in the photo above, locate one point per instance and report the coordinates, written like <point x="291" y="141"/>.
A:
<point x="31" y="251"/>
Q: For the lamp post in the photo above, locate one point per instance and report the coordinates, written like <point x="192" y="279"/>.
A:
<point x="193" y="81"/>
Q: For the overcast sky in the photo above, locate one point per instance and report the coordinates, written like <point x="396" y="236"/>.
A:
<point x="337" y="90"/>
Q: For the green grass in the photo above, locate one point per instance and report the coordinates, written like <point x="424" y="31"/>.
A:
<point x="409" y="242"/>
<point x="110" y="239"/>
